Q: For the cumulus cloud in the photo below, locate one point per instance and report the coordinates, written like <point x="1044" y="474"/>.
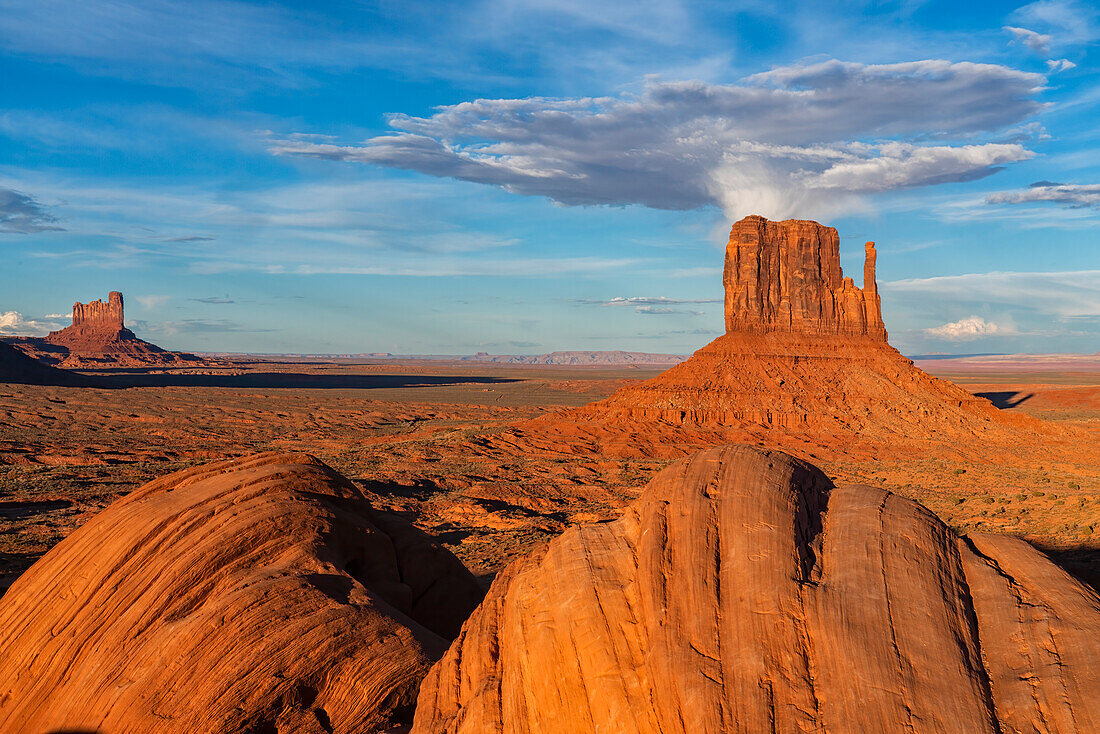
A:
<point x="968" y="329"/>
<point x="1056" y="65"/>
<point x="1037" y="42"/>
<point x="21" y="214"/>
<point x="808" y="138"/>
<point x="1077" y="196"/>
<point x="12" y="323"/>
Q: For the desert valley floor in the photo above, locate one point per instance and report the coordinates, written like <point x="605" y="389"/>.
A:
<point x="444" y="444"/>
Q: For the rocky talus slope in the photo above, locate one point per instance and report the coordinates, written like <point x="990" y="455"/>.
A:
<point x="745" y="593"/>
<point x="261" y="594"/>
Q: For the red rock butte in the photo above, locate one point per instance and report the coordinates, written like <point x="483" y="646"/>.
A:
<point x="98" y="314"/>
<point x="97" y="327"/>
<point x="98" y="337"/>
<point x="804" y="352"/>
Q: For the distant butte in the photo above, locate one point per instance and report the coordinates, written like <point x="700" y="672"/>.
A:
<point x="98" y="337"/>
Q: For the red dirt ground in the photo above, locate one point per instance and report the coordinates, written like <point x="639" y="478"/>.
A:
<point x="449" y="446"/>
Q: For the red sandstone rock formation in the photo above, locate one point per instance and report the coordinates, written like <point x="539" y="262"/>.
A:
<point x="786" y="277"/>
<point x="744" y="593"/>
<point x="98" y="328"/>
<point x="805" y="351"/>
<point x="258" y="594"/>
<point x="98" y="337"/>
<point x="100" y="315"/>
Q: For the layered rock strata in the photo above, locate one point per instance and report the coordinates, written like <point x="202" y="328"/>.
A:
<point x="745" y="593"/>
<point x="100" y="315"/>
<point x="258" y="594"/>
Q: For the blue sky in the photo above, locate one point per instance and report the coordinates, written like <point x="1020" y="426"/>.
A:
<point x="521" y="176"/>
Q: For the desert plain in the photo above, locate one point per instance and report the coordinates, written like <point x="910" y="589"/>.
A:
<point x="443" y="444"/>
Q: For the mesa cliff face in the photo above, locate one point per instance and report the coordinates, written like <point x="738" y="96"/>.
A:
<point x="745" y="593"/>
<point x="99" y="328"/>
<point x="100" y="315"/>
<point x="785" y="277"/>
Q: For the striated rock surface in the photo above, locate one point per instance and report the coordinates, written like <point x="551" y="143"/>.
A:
<point x="261" y="594"/>
<point x="100" y="315"/>
<point x="744" y="593"/>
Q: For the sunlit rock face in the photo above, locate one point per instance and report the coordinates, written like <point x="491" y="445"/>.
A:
<point x="786" y="277"/>
<point x="743" y="592"/>
<point x="804" y="352"/>
<point x="260" y="594"/>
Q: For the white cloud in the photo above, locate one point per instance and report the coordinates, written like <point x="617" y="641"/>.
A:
<point x="660" y="310"/>
<point x="1073" y="195"/>
<point x="1037" y="42"/>
<point x="805" y="138"/>
<point x="1056" y="65"/>
<point x="151" y="302"/>
<point x="968" y="329"/>
<point x="12" y="323"/>
<point x="1070" y="294"/>
<point x="647" y="301"/>
<point x="1067" y="22"/>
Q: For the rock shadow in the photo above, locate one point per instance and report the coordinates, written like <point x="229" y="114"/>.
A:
<point x="1080" y="561"/>
<point x="1005" y="400"/>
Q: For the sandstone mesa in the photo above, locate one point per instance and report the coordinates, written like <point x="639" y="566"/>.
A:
<point x="804" y="354"/>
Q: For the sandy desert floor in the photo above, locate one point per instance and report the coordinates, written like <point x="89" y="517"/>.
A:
<point x="416" y="436"/>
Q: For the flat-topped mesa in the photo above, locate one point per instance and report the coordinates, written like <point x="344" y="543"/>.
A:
<point x="786" y="277"/>
<point x="100" y="314"/>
